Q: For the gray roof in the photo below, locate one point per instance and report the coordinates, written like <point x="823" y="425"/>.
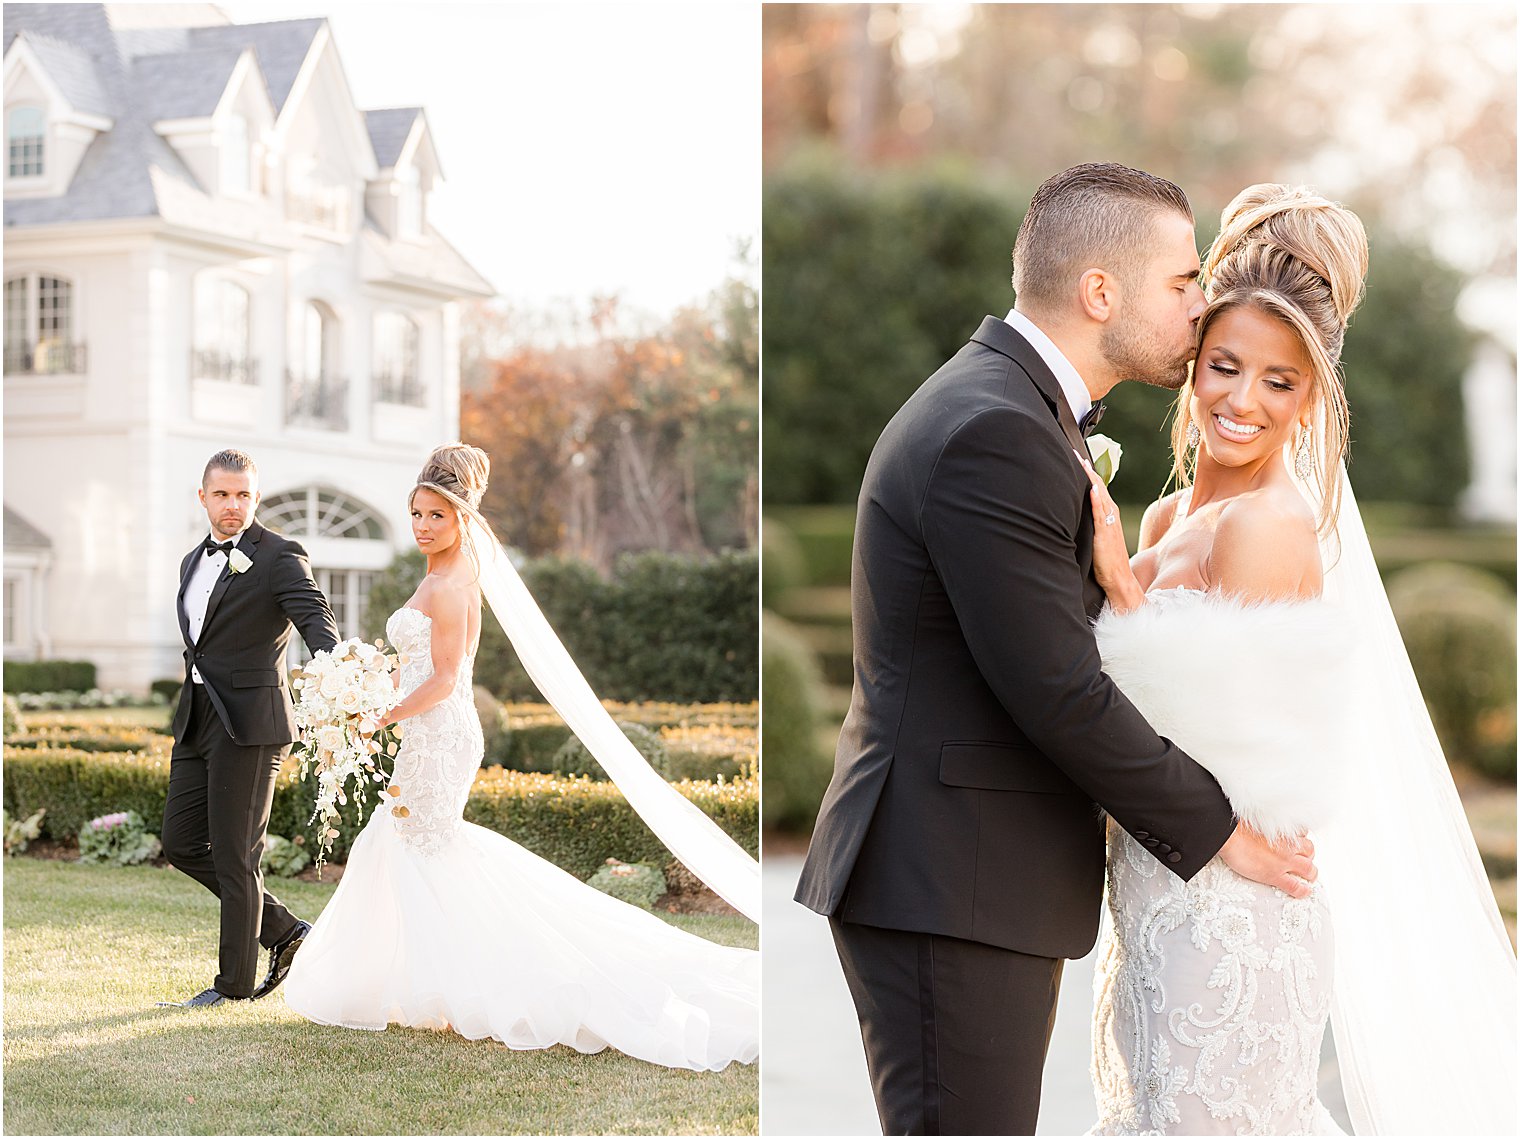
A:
<point x="184" y="85"/>
<point x="388" y="131"/>
<point x="137" y="77"/>
<point x="281" y="47"/>
<point x="74" y="72"/>
<point x="22" y="535"/>
<point x="112" y="180"/>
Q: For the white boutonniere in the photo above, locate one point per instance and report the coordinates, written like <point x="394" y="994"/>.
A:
<point x="237" y="561"/>
<point x="1106" y="454"/>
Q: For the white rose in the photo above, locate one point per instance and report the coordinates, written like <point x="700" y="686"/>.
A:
<point x="330" y="738"/>
<point x="376" y="682"/>
<point x="350" y="701"/>
<point x="331" y="685"/>
<point x="318" y="710"/>
<point x="237" y="561"/>
<point x="1106" y="454"/>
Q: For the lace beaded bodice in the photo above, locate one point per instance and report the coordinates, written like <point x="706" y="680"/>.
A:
<point x="1211" y="995"/>
<point x="441" y="748"/>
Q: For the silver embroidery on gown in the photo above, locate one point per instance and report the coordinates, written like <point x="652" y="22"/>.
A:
<point x="1210" y="997"/>
<point x="439" y="923"/>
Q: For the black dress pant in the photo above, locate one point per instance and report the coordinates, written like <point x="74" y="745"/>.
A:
<point x="955" y="1031"/>
<point x="214" y="824"/>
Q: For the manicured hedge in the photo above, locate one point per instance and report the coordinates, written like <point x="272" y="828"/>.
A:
<point x="664" y="627"/>
<point x="93" y="739"/>
<point x="576" y="823"/>
<point x="702" y="741"/>
<point x="49" y="676"/>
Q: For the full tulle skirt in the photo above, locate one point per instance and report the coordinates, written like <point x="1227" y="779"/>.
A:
<point x="477" y="935"/>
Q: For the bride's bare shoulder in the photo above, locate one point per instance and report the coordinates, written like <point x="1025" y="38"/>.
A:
<point x="1159" y="516"/>
<point x="1266" y="547"/>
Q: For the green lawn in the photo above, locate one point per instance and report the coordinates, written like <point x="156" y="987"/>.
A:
<point x="88" y="950"/>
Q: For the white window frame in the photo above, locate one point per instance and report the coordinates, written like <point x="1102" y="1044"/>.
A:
<point x="223" y="331"/>
<point x="34" y="311"/>
<point x="41" y="142"/>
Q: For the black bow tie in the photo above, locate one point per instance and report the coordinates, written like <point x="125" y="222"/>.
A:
<point x="218" y="547"/>
<point x="1090" y="420"/>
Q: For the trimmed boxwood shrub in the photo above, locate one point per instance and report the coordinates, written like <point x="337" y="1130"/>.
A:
<point x="579" y="823"/>
<point x="574" y="759"/>
<point x="797" y="771"/>
<point x="576" y="823"/>
<point x="49" y="676"/>
<point x="1458" y="624"/>
<point x="101" y="739"/>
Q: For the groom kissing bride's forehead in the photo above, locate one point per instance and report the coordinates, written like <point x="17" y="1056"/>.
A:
<point x="958" y="853"/>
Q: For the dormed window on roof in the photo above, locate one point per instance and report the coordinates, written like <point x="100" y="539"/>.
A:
<point x="26" y="141"/>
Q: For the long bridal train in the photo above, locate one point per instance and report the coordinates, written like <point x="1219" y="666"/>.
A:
<point x="439" y="923"/>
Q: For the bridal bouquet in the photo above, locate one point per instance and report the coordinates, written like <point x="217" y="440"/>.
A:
<point x="342" y="694"/>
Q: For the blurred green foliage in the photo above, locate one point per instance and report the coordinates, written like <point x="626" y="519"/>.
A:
<point x="873" y="280"/>
<point x="664" y="627"/>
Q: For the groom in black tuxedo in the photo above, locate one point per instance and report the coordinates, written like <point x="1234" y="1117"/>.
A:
<point x="959" y="850"/>
<point x="240" y="593"/>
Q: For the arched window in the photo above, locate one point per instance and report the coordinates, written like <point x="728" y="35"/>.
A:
<point x="318" y="512"/>
<point x="223" y="334"/>
<point x="395" y="361"/>
<point x="39" y="326"/>
<point x="26" y="139"/>
<point x="316" y="394"/>
<point x="332" y="525"/>
<point x="235" y="155"/>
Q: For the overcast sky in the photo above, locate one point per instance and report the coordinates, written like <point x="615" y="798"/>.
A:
<point x="587" y="149"/>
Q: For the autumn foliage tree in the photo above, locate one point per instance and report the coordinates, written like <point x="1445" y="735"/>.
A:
<point x="626" y="441"/>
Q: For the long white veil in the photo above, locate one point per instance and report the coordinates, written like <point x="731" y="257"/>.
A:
<point x="1424" y="996"/>
<point x="700" y="844"/>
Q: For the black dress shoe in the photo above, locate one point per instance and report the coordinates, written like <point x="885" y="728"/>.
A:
<point x="204" y="999"/>
<point x="280" y="957"/>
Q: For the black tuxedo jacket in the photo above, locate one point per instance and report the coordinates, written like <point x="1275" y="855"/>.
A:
<point x="241" y="650"/>
<point x="984" y="741"/>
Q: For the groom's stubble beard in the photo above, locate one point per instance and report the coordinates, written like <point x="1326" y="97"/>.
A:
<point x="1137" y="351"/>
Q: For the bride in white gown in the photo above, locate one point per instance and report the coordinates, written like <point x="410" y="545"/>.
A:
<point x="439" y="923"/>
<point x="1252" y="629"/>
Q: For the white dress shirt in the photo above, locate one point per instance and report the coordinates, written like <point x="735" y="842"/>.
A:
<point x="1078" y="398"/>
<point x="203" y="578"/>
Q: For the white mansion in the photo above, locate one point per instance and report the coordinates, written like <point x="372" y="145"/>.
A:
<point x="207" y="244"/>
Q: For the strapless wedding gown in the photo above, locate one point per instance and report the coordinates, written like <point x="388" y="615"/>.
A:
<point x="439" y="923"/>
<point x="1211" y="996"/>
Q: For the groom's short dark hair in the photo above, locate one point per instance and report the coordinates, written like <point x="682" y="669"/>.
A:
<point x="231" y="459"/>
<point x="1097" y="215"/>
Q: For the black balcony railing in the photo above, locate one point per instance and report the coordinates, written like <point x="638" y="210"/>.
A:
<point x="209" y="364"/>
<point x="316" y="401"/>
<point x="406" y="390"/>
<point x="49" y="358"/>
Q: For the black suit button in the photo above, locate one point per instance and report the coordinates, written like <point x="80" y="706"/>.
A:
<point x="1175" y="856"/>
<point x="1163" y="848"/>
<point x="1152" y="841"/>
<point x="1142" y="834"/>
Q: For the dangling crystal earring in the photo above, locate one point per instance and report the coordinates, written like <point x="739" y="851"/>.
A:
<point x="1192" y="435"/>
<point x="1303" y="455"/>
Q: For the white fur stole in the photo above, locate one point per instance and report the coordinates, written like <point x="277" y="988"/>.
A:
<point x="1254" y="692"/>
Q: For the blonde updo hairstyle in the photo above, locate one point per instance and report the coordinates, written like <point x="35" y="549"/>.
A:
<point x="459" y="473"/>
<point x="1295" y="256"/>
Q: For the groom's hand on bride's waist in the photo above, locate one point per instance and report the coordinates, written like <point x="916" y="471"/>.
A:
<point x="1288" y="865"/>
